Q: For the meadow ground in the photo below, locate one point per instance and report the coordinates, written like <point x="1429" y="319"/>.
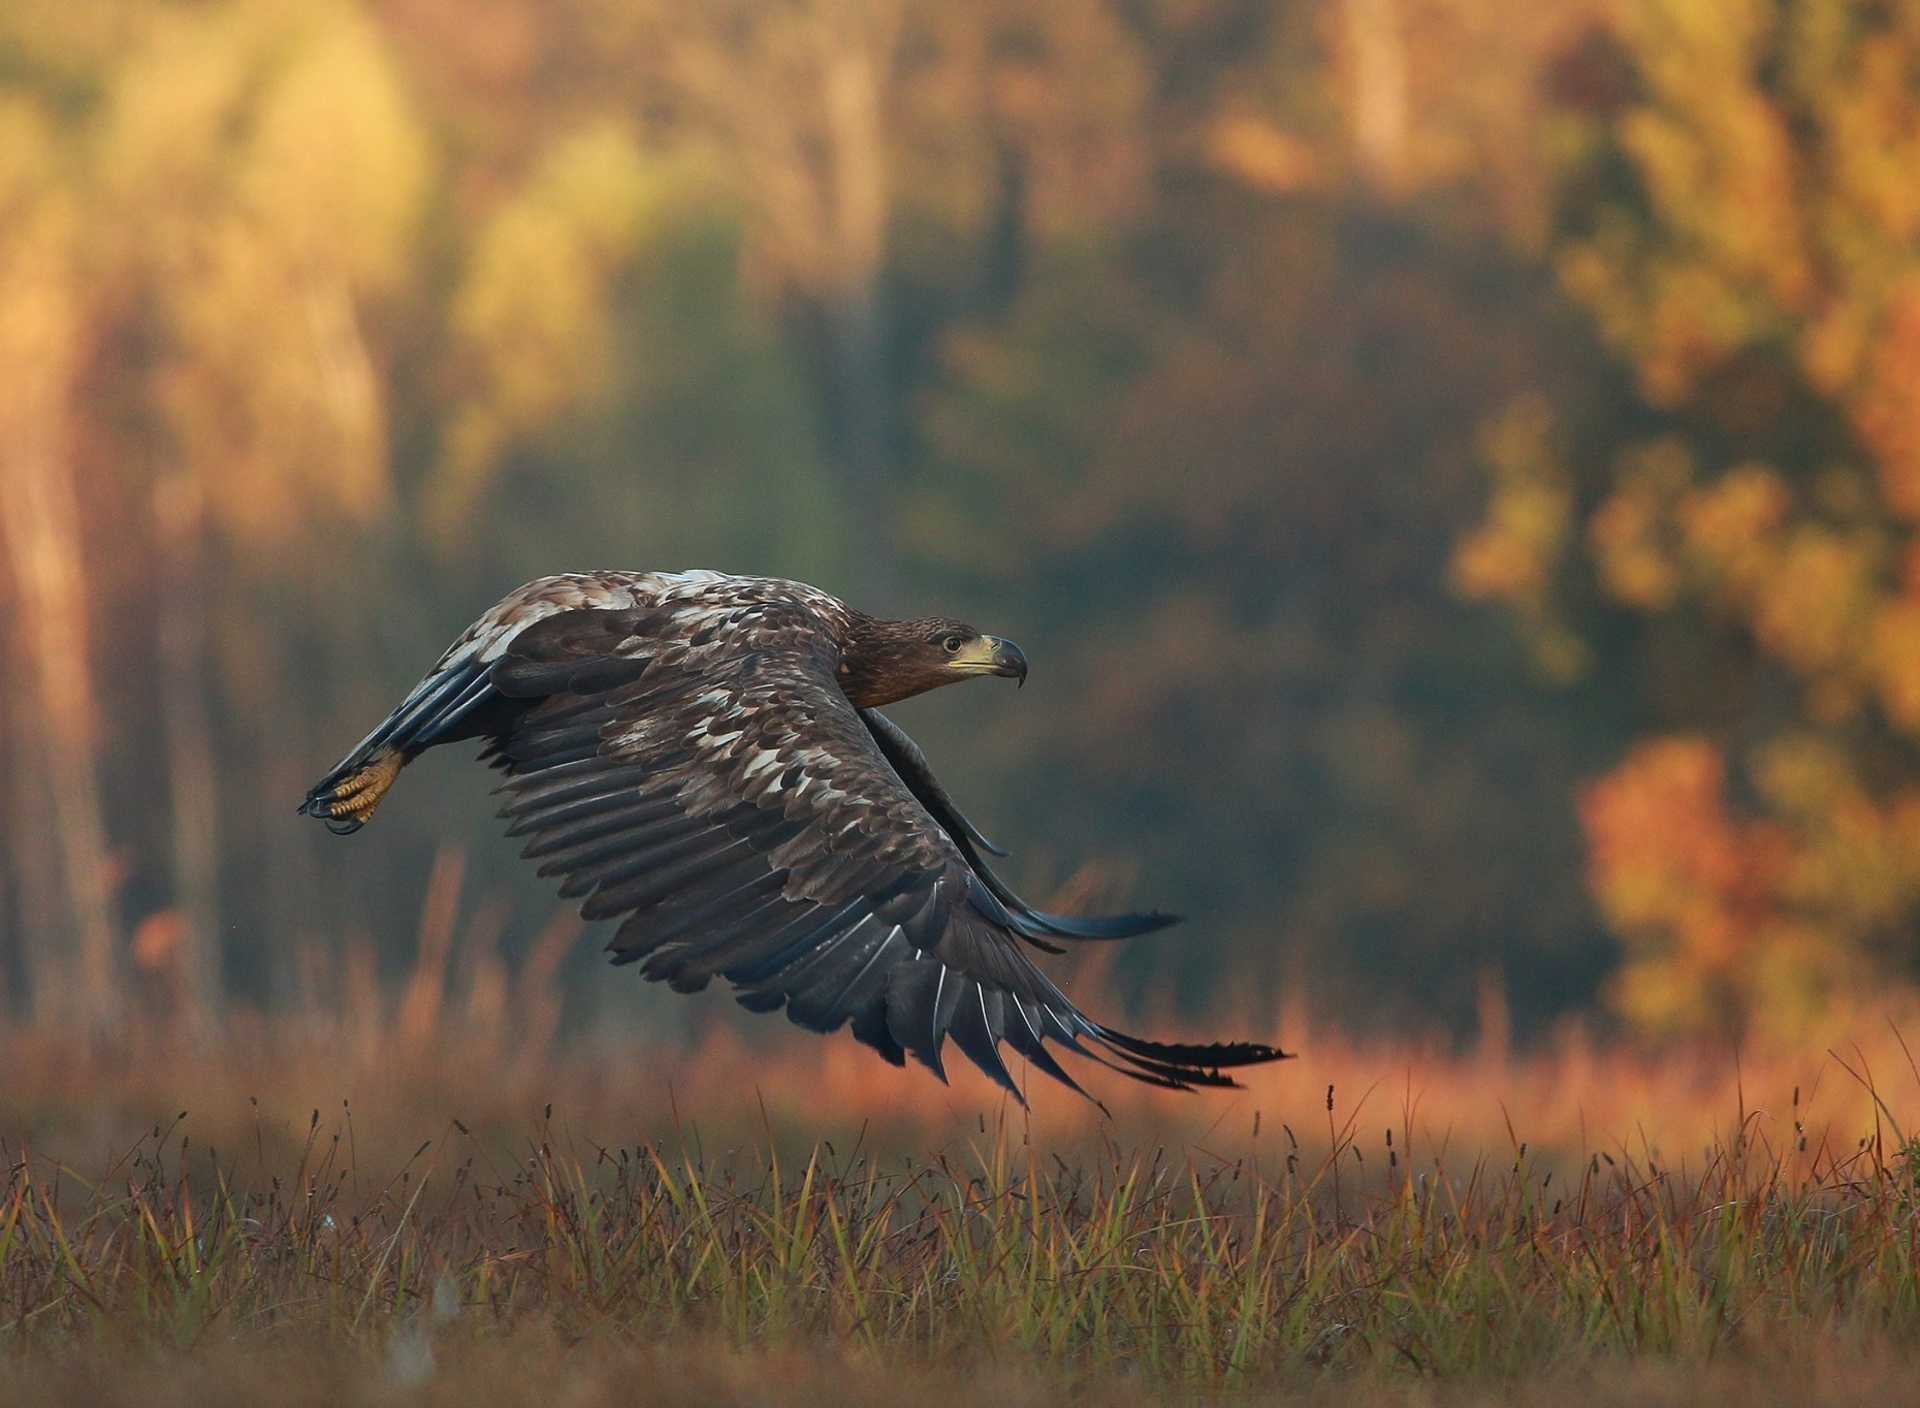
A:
<point x="399" y="1210"/>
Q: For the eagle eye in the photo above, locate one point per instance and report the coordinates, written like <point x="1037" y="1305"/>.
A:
<point x="951" y="645"/>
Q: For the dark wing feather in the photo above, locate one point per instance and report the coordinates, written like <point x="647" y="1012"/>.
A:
<point x="459" y="697"/>
<point x="714" y="790"/>
<point x="1031" y="924"/>
<point x="907" y="760"/>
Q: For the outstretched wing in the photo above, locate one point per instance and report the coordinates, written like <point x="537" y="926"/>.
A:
<point x="457" y="699"/>
<point x="715" y="791"/>
<point x="1035" y="926"/>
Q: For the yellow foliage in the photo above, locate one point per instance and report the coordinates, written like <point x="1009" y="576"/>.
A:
<point x="1849" y="864"/>
<point x="260" y="171"/>
<point x="532" y="314"/>
<point x="1715" y="153"/>
<point x="1697" y="894"/>
<point x="1883" y="410"/>
<point x="1895" y="661"/>
<point x="1731" y="527"/>
<point x="42" y="316"/>
<point x="1779" y="151"/>
<point x="28" y="156"/>
<point x="1513" y="555"/>
<point x="41" y="319"/>
<point x="1812" y="605"/>
<point x="1263" y="156"/>
<point x="1632" y="532"/>
<point x="1729" y="260"/>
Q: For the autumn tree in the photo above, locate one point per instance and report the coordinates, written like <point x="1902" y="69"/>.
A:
<point x="1179" y="340"/>
<point x="72" y="946"/>
<point x="1741" y="220"/>
<point x="259" y="175"/>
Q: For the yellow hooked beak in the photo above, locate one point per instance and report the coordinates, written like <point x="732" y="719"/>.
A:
<point x="990" y="655"/>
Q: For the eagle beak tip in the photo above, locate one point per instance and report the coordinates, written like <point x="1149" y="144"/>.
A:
<point x="1010" y="661"/>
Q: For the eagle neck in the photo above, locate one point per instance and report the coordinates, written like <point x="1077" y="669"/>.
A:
<point x="872" y="668"/>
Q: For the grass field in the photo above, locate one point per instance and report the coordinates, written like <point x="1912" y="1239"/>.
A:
<point x="380" y="1213"/>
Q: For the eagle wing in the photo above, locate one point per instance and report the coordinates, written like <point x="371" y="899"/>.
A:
<point x="680" y="755"/>
<point x="1035" y="926"/>
<point x="716" y="792"/>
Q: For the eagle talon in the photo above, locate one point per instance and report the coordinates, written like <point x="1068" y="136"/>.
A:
<point x="347" y="805"/>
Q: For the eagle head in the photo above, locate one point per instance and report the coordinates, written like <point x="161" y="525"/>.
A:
<point x="885" y="661"/>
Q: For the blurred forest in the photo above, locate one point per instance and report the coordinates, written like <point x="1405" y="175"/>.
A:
<point x="1452" y="463"/>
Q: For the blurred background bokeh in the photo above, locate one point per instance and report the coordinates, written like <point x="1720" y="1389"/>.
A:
<point x="1453" y="465"/>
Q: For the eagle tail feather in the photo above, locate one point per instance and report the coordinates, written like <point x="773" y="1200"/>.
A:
<point x="1185" y="1063"/>
<point x="1098" y="926"/>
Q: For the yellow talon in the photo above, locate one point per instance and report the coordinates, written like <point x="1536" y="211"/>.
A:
<point x="358" y="795"/>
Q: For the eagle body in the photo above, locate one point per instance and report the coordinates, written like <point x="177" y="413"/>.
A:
<point x="701" y="757"/>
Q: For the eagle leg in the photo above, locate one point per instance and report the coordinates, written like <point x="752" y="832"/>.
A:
<point x="346" y="806"/>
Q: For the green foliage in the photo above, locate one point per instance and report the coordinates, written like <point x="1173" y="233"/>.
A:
<point x="706" y="448"/>
<point x="1231" y="542"/>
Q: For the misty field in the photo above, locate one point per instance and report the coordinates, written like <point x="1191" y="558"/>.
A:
<point x="453" y="1222"/>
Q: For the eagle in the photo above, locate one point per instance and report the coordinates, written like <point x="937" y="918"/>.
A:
<point x="702" y="758"/>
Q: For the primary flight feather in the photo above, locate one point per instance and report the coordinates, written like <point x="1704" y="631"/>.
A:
<point x="702" y="758"/>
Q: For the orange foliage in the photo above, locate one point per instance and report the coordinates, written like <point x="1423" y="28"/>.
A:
<point x="1692" y="889"/>
<point x="1883" y="412"/>
<point x="1757" y="275"/>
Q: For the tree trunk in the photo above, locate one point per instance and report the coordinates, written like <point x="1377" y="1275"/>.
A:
<point x="866" y="445"/>
<point x="192" y="778"/>
<point x="40" y="523"/>
<point x="16" y="824"/>
<point x="855" y="42"/>
<point x="293" y="913"/>
<point x="45" y="947"/>
<point x="1379" y="93"/>
<point x="41" y="945"/>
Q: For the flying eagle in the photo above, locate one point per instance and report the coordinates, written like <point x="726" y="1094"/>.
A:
<point x="702" y="757"/>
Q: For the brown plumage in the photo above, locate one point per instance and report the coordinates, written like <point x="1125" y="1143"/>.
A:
<point x="701" y="758"/>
